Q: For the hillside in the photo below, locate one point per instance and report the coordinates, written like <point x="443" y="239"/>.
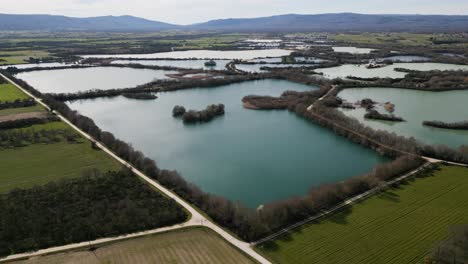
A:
<point x="342" y="22"/>
<point x="63" y="23"/>
<point x="292" y="22"/>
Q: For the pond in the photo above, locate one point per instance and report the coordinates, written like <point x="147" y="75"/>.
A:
<point x="361" y="71"/>
<point x="415" y="107"/>
<point x="187" y="64"/>
<point x="353" y="50"/>
<point x="250" y="156"/>
<point x="202" y="54"/>
<point x="104" y="78"/>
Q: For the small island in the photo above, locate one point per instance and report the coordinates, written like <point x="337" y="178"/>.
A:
<point x="374" y="114"/>
<point x="210" y="63"/>
<point x="192" y="116"/>
<point x="439" y="124"/>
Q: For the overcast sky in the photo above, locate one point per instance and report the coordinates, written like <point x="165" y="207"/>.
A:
<point x="192" y="11"/>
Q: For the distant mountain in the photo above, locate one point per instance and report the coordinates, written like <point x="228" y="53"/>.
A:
<point x="63" y="23"/>
<point x="322" y="22"/>
<point x="341" y="22"/>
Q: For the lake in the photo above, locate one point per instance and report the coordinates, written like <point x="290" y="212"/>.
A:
<point x="187" y="64"/>
<point x="361" y="71"/>
<point x="415" y="107"/>
<point x="251" y="156"/>
<point x="104" y="78"/>
<point x="202" y="54"/>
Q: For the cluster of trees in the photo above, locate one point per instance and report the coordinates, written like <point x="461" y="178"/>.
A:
<point x="27" y="122"/>
<point x="192" y="116"/>
<point x="374" y="114"/>
<point x="75" y="210"/>
<point x="18" y="103"/>
<point x="23" y="137"/>
<point x="15" y="70"/>
<point x="457" y="125"/>
<point x="96" y="93"/>
<point x="453" y="250"/>
<point x="140" y="96"/>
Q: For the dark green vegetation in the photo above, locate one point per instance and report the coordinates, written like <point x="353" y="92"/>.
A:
<point x="202" y="116"/>
<point x="18" y="103"/>
<point x="74" y="210"/>
<point x="398" y="225"/>
<point x="374" y="114"/>
<point x="186" y="246"/>
<point x="457" y="125"/>
<point x="26" y="122"/>
<point x="140" y="96"/>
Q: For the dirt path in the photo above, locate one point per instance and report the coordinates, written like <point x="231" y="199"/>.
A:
<point x="23" y="116"/>
<point x="197" y="219"/>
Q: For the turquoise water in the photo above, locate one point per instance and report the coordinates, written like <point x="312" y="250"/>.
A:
<point x="104" y="78"/>
<point x="251" y="156"/>
<point x="416" y="107"/>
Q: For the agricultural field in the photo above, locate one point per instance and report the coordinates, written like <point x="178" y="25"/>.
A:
<point x="21" y="56"/>
<point x="410" y="39"/>
<point x="39" y="163"/>
<point x="192" y="245"/>
<point x="8" y="93"/>
<point x="400" y="225"/>
<point x="21" y="110"/>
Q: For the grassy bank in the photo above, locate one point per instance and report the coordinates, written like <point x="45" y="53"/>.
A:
<point x="9" y="93"/>
<point x="400" y="225"/>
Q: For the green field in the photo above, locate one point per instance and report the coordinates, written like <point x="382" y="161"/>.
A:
<point x="8" y="93"/>
<point x="21" y="56"/>
<point x="193" y="245"/>
<point x="39" y="164"/>
<point x="400" y="225"/>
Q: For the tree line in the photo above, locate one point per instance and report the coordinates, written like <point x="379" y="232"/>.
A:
<point x="18" y="103"/>
<point x="434" y="81"/>
<point x="27" y="122"/>
<point x="15" y="138"/>
<point x="93" y="206"/>
<point x="463" y="125"/>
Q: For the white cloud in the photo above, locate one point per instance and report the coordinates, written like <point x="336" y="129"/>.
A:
<point x="190" y="11"/>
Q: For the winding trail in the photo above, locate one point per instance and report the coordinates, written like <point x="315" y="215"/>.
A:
<point x="197" y="219"/>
